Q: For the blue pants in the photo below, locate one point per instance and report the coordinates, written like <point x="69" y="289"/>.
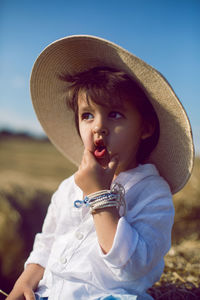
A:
<point x="40" y="298"/>
<point x="125" y="297"/>
<point x="104" y="298"/>
<point x="120" y="297"/>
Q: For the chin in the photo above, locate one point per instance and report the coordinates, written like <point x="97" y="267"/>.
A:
<point x="103" y="161"/>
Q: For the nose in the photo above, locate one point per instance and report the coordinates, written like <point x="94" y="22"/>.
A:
<point x="101" y="130"/>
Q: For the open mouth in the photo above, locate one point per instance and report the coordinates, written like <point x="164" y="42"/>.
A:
<point x="100" y="149"/>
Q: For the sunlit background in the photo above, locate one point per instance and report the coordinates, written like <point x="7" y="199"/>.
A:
<point x="166" y="34"/>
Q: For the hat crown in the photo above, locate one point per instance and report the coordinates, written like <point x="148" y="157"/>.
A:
<point x="174" y="153"/>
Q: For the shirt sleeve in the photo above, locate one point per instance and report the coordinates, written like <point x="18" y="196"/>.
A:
<point x="44" y="240"/>
<point x="143" y="236"/>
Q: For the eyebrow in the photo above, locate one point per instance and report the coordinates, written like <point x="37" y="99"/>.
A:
<point x="85" y="108"/>
<point x="86" y="105"/>
<point x="118" y="106"/>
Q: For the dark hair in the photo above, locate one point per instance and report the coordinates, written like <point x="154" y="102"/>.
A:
<point x="107" y="86"/>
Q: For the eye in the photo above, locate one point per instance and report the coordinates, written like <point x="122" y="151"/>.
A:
<point x="115" y="115"/>
<point x="86" y="116"/>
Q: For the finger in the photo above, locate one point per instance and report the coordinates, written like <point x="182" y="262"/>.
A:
<point x="84" y="157"/>
<point x="29" y="295"/>
<point x="88" y="156"/>
<point x="112" y="165"/>
<point x="83" y="161"/>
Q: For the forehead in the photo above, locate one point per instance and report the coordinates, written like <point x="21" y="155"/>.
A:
<point x="126" y="107"/>
<point x="86" y="100"/>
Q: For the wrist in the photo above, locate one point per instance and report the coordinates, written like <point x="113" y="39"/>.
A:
<point x="113" y="211"/>
<point x="95" y="189"/>
<point x="104" y="199"/>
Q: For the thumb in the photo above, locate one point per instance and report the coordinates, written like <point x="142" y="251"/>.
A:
<point x="112" y="165"/>
<point x="88" y="156"/>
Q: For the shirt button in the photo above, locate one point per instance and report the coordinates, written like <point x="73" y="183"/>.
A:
<point x="63" y="260"/>
<point x="79" y="235"/>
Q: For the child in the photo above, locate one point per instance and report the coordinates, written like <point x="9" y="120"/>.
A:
<point x="108" y="226"/>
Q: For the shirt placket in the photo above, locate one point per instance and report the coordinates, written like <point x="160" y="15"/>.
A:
<point x="77" y="239"/>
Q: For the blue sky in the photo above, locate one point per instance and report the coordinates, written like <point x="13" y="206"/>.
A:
<point x="164" y="33"/>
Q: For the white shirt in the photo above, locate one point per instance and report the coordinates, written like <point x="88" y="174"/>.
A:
<point x="68" y="249"/>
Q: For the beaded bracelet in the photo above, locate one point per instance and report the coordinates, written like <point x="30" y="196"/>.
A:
<point x="104" y="199"/>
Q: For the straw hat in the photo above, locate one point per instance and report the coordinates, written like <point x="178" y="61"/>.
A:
<point x="174" y="153"/>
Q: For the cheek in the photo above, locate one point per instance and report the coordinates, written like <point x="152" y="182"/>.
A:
<point x="118" y="140"/>
<point x="127" y="138"/>
<point x="86" y="137"/>
<point x="118" y="130"/>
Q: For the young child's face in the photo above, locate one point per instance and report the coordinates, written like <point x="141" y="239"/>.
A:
<point x="108" y="131"/>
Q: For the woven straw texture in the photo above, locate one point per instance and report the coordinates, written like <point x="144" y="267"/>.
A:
<point x="174" y="153"/>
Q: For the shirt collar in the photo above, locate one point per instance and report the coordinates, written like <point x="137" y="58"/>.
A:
<point x="135" y="175"/>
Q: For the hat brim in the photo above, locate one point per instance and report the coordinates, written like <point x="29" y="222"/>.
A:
<point x="174" y="153"/>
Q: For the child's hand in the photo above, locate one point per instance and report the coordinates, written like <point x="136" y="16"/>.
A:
<point x="21" y="292"/>
<point x="27" y="283"/>
<point x="91" y="176"/>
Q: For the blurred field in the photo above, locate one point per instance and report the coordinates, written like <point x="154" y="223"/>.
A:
<point x="31" y="171"/>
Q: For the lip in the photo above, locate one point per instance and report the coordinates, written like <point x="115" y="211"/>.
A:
<point x="100" y="149"/>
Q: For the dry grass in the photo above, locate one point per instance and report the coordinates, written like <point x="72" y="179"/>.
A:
<point x="31" y="170"/>
<point x="181" y="278"/>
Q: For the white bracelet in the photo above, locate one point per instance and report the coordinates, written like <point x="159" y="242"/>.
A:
<point x="104" y="199"/>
